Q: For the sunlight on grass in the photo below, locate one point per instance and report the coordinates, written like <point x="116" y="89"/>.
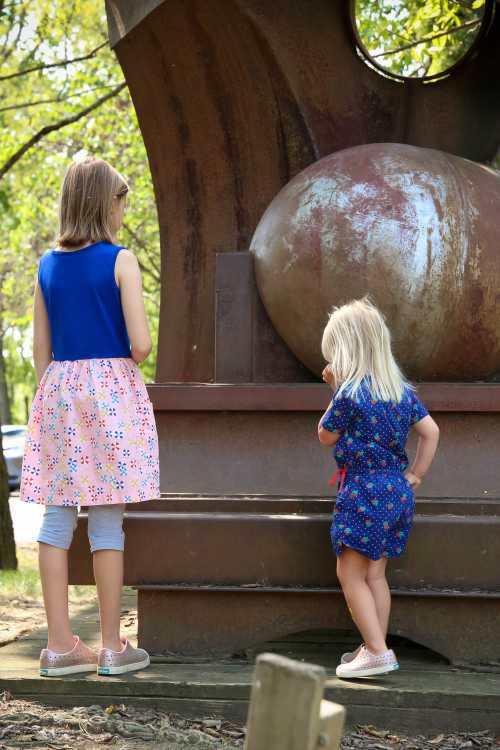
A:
<point x="24" y="583"/>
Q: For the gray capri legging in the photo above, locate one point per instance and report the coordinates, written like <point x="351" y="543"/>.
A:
<point x="105" y="526"/>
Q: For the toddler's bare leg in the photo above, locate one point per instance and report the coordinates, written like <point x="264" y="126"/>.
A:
<point x="352" y="571"/>
<point x="379" y="587"/>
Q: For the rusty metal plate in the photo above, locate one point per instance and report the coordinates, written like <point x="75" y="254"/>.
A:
<point x="211" y="624"/>
<point x="438" y="397"/>
<point x="212" y="547"/>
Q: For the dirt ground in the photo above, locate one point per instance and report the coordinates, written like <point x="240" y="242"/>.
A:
<point x="26" y="724"/>
<point x="18" y="617"/>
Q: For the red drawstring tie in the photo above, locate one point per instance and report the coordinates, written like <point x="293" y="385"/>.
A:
<point x="338" y="476"/>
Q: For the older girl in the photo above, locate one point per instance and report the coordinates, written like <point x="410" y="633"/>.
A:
<point x="92" y="438"/>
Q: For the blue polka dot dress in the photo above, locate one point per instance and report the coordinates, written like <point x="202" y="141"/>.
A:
<point x="375" y="503"/>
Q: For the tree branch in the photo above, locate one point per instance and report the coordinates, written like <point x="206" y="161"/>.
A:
<point x="147" y="271"/>
<point x="56" y="126"/>
<point x="467" y="25"/>
<point x="140" y="243"/>
<point x="46" y="66"/>
<point x="56" y="99"/>
<point x="6" y="52"/>
<point x="463" y="4"/>
<point x="4" y="7"/>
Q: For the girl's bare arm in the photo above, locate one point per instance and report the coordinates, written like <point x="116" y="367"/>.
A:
<point x="128" y="278"/>
<point x="42" y="342"/>
<point x="326" y="437"/>
<point x="428" y="438"/>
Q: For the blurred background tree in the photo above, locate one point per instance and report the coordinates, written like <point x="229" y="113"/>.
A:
<point x="63" y="96"/>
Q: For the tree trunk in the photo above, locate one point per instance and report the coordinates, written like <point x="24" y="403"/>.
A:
<point x="5" y="416"/>
<point x="8" y="559"/>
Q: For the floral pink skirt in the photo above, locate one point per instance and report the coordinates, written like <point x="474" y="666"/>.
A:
<point x="91" y="436"/>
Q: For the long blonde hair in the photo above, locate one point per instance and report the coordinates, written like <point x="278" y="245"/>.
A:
<point x="86" y="202"/>
<point x="357" y="345"/>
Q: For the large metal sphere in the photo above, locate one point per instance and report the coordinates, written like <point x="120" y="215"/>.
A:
<point x="417" y="229"/>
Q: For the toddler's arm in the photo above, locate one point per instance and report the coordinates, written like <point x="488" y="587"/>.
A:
<point x="326" y="437"/>
<point x="42" y="342"/>
<point x="128" y="278"/>
<point x="428" y="438"/>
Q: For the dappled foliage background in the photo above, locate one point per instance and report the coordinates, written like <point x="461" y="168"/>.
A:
<point x="417" y="38"/>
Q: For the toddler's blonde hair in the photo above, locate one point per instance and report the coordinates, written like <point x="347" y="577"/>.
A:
<point x="86" y="202"/>
<point x="357" y="345"/>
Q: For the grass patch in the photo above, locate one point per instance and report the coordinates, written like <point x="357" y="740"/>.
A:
<point x="24" y="583"/>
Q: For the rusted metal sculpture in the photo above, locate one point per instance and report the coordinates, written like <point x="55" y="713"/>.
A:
<point x="234" y="99"/>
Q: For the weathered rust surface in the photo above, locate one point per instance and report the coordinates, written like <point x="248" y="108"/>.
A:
<point x="223" y="622"/>
<point x="271" y="547"/>
<point x="277" y="453"/>
<point x="233" y="318"/>
<point x="290" y="397"/>
<point x="416" y="229"/>
<point x="230" y="112"/>
<point x="247" y="346"/>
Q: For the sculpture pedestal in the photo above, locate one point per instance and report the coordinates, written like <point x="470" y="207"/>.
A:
<point x="217" y="573"/>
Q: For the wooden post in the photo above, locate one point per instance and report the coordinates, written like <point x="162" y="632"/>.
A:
<point x="331" y="725"/>
<point x="287" y="710"/>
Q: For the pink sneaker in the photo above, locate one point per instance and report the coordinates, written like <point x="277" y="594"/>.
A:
<point x="129" y="659"/>
<point x="80" y="659"/>
<point x="366" y="664"/>
<point x="350" y="655"/>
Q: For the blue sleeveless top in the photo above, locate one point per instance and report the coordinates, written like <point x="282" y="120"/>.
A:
<point x="83" y="303"/>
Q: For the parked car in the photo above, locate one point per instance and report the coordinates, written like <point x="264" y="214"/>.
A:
<point x="13" y="437"/>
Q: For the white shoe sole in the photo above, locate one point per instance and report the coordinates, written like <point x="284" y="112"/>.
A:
<point x="63" y="671"/>
<point x="372" y="672"/>
<point x="106" y="671"/>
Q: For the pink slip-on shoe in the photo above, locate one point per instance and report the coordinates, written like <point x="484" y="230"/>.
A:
<point x="350" y="655"/>
<point x="366" y="664"/>
<point x="129" y="659"/>
<point x="81" y="658"/>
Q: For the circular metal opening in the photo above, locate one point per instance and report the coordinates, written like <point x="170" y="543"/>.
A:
<point x="423" y="39"/>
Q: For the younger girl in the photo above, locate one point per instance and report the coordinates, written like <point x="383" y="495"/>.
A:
<point x="368" y="421"/>
<point x="92" y="438"/>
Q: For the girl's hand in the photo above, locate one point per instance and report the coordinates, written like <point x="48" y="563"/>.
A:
<point x="413" y="479"/>
<point x="327" y="376"/>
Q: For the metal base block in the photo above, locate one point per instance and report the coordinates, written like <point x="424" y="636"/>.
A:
<point x="208" y="622"/>
<point x="229" y="571"/>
